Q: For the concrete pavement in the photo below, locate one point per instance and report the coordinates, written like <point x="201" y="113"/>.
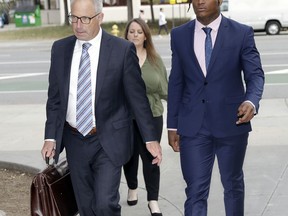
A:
<point x="266" y="165"/>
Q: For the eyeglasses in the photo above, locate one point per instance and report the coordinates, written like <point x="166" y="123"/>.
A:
<point x="83" y="19"/>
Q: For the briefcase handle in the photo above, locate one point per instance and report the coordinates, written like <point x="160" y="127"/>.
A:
<point x="47" y="161"/>
<point x="61" y="166"/>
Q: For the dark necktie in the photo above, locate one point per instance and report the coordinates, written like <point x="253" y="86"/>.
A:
<point x="84" y="115"/>
<point x="208" y="46"/>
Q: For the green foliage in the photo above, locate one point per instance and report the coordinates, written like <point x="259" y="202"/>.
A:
<point x="36" y="33"/>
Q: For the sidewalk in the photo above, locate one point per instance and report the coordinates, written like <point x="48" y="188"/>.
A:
<point x="266" y="165"/>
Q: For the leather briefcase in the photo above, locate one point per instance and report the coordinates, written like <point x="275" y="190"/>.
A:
<point x="52" y="193"/>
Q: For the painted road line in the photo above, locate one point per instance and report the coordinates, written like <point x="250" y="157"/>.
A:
<point x="25" y="62"/>
<point x="285" y="71"/>
<point x="22" y="75"/>
<point x="23" y="92"/>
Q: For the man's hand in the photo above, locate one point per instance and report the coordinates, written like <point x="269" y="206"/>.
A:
<point x="173" y="140"/>
<point x="245" y="113"/>
<point x="155" y="150"/>
<point x="48" y="149"/>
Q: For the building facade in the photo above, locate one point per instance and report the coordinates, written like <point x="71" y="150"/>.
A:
<point x="52" y="11"/>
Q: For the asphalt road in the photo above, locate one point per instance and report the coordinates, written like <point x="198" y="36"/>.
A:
<point x="24" y="67"/>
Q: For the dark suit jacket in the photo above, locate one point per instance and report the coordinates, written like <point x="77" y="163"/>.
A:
<point x="191" y="95"/>
<point x="119" y="90"/>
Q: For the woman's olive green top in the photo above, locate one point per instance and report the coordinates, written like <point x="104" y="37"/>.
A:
<point x="155" y="78"/>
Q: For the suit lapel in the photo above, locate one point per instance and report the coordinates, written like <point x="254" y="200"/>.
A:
<point x="68" y="54"/>
<point x="105" y="49"/>
<point x="218" y="43"/>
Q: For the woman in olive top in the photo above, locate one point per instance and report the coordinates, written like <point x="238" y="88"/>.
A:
<point x="155" y="77"/>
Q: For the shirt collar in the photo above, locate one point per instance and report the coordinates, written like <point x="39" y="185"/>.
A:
<point x="214" y="25"/>
<point x="93" y="42"/>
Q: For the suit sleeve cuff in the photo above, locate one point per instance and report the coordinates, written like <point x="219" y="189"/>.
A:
<point x="255" y="112"/>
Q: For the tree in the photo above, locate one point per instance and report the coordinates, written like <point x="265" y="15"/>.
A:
<point x="130" y="9"/>
<point x="152" y="11"/>
<point x="66" y="12"/>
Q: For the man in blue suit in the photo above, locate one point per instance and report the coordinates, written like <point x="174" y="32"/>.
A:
<point x="211" y="99"/>
<point x="115" y="90"/>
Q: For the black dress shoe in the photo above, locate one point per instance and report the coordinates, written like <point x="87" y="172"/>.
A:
<point x="155" y="213"/>
<point x="132" y="202"/>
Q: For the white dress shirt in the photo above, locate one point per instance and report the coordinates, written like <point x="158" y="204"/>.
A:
<point x="94" y="58"/>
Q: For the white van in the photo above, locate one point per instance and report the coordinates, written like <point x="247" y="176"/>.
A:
<point x="262" y="15"/>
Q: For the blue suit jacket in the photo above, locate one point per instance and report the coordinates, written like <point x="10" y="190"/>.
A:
<point x="120" y="90"/>
<point x="191" y="95"/>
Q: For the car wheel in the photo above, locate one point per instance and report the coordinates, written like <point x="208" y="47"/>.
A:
<point x="272" y="28"/>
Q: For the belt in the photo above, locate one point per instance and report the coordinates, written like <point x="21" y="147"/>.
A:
<point x="93" y="131"/>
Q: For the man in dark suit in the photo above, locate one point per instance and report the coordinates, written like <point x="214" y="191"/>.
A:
<point x="114" y="90"/>
<point x="209" y="107"/>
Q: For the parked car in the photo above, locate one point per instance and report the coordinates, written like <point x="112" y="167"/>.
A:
<point x="262" y="15"/>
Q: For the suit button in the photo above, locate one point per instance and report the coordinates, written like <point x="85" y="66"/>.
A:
<point x="203" y="101"/>
<point x="205" y="83"/>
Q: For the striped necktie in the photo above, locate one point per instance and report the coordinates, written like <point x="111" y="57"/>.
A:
<point x="84" y="115"/>
<point x="208" y="46"/>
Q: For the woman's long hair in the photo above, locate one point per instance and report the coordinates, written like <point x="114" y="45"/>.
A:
<point x="152" y="55"/>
